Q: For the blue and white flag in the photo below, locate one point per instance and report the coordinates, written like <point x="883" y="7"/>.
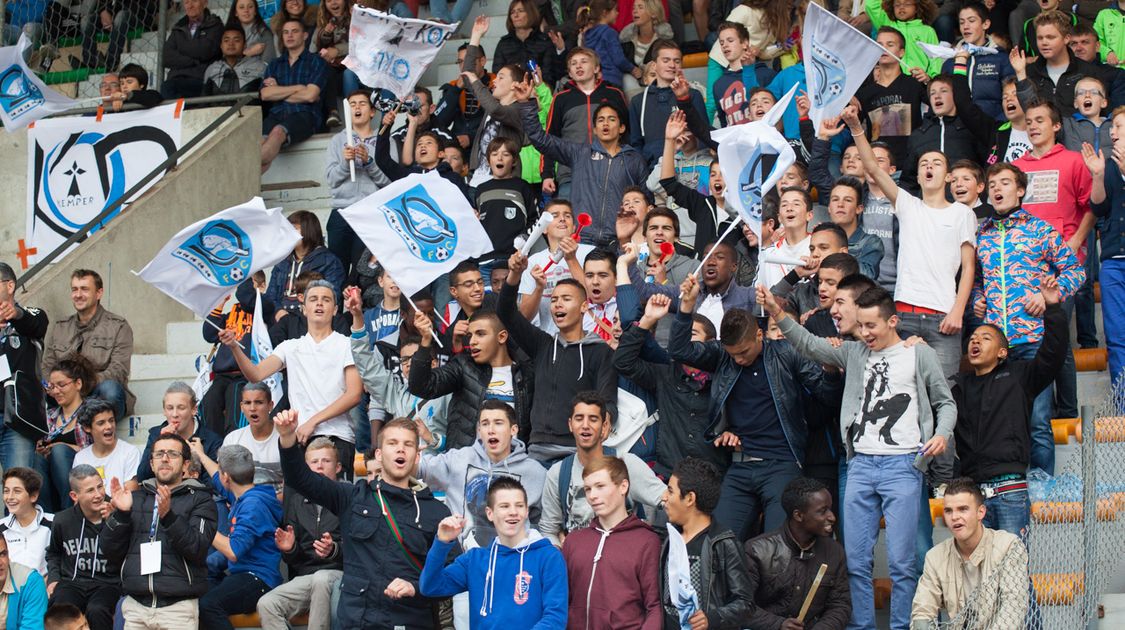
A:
<point x="25" y="99"/>
<point x="945" y="51"/>
<point x="838" y="59"/>
<point x="419" y="228"/>
<point x="752" y="158"/>
<point x="680" y="589"/>
<point x="260" y="348"/>
<point x="390" y="52"/>
<point x="207" y="260"/>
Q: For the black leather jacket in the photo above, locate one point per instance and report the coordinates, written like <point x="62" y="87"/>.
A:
<point x="780" y="578"/>
<point x="726" y="594"/>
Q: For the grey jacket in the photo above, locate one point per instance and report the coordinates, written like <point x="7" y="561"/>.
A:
<point x="507" y="115"/>
<point x="389" y="394"/>
<point x="934" y="397"/>
<point x="368" y="177"/>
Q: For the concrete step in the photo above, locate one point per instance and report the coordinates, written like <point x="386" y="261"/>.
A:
<point x="135" y="430"/>
<point x="151" y="375"/>
<point x="186" y="338"/>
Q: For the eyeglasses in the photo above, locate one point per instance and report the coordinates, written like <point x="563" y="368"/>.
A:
<point x="167" y="455"/>
<point x="469" y="284"/>
<point x="1088" y="92"/>
<point x="56" y="386"/>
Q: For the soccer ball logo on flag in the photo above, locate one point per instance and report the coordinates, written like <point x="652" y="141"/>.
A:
<point x="426" y="231"/>
<point x="828" y="75"/>
<point x="220" y="252"/>
<point x="18" y="94"/>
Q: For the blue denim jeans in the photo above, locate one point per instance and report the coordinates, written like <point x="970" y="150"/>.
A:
<point x="238" y="593"/>
<point x="948" y="347"/>
<point x="751" y="490"/>
<point x="1042" y="437"/>
<point x="1113" y="313"/>
<point x="924" y="541"/>
<point x="113" y="393"/>
<point x="18" y="450"/>
<point x="887" y="486"/>
<point x="439" y="10"/>
<point x="1009" y="511"/>
<point x="55" y="495"/>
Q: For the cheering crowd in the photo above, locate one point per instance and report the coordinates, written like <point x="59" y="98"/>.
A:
<point x="658" y="417"/>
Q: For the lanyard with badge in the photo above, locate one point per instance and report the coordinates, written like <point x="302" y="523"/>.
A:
<point x="150" y="551"/>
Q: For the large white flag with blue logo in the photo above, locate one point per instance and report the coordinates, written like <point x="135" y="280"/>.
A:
<point x="390" y="52"/>
<point x="261" y="347"/>
<point x="838" y="58"/>
<point x="419" y="228"/>
<point x="207" y="260"/>
<point x="752" y="158"/>
<point x="23" y="97"/>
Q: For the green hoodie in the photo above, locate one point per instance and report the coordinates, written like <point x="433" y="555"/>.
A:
<point x="912" y="31"/>
<point x="1110" y="27"/>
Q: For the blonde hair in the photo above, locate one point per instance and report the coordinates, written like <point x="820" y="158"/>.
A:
<point x="656" y="8"/>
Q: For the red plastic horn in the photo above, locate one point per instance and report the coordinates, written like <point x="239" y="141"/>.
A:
<point x="666" y="251"/>
<point x="584" y="221"/>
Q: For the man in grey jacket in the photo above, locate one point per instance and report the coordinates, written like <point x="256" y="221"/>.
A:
<point x="897" y="414"/>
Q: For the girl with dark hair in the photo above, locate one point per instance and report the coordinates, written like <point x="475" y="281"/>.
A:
<point x="69" y="381"/>
<point x="310" y="254"/>
<point x="259" y="38"/>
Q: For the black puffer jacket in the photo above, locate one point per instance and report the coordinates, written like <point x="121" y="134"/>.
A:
<point x="187" y="56"/>
<point x="725" y="593"/>
<point x="948" y="134"/>
<point x="468" y="382"/>
<point x="310" y="521"/>
<point x="538" y="47"/>
<point x="780" y="579"/>
<point x="185" y="533"/>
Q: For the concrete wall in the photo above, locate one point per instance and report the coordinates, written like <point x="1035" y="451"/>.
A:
<point x="222" y="171"/>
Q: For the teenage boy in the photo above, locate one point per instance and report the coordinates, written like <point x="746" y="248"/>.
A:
<point x="891" y="99"/>
<point x="258" y="436"/>
<point x="27" y="528"/>
<point x="21" y="340"/>
<point x="942" y="129"/>
<point x="383" y="320"/>
<point x="708" y="212"/>
<point x="309" y="541"/>
<point x="794" y="211"/>
<point x="386" y="526"/>
<point x="324" y="383"/>
<point x="565" y="363"/>
<point x="757" y="410"/>
<point x="898" y="391"/>
<point x="800" y="286"/>
<point x="680" y="391"/>
<point x="785" y="561"/>
<point x="727" y="91"/>
<point x="936" y="239"/>
<point x="601" y="168"/>
<point x="255" y="513"/>
<point x="235" y="73"/>
<point x="180" y="407"/>
<point x="517" y="560"/>
<point x="718" y="564"/>
<point x="1056" y="72"/>
<point x="485" y="371"/>
<point x="966" y="183"/>
<point x="572" y="109"/>
<point x="163" y="567"/>
<point x="843" y="309"/>
<point x="974" y="551"/>
<point x="113" y="457"/>
<point x="996" y="405"/>
<point x="344" y="152"/>
<point x="78" y="571"/>
<point x="845" y="205"/>
<point x="986" y="71"/>
<point x="649" y="110"/>
<point x="293" y="83"/>
<point x="1016" y="249"/>
<point x="465" y="473"/>
<point x="567" y="256"/>
<point x="428" y="154"/>
<point x="625" y="592"/>
<point x="565" y="507"/>
<point x="600" y="282"/>
<point x="466" y="288"/>
<point x="1109" y="205"/>
<point x="660" y="226"/>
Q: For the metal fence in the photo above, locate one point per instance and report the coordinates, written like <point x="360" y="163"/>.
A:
<point x="1074" y="541"/>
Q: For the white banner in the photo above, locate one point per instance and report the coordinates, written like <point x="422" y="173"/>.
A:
<point x="78" y="166"/>
<point x="945" y="51"/>
<point x="419" y="228"/>
<point x="261" y="347"/>
<point x="745" y="153"/>
<point x="390" y="52"/>
<point x="223" y="250"/>
<point x="838" y="59"/>
<point x="23" y="97"/>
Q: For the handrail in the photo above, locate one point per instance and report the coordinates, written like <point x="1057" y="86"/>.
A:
<point x="167" y="164"/>
<point x="133" y="107"/>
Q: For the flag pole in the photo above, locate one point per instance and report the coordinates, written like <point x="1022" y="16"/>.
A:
<point x="726" y="232"/>
<point x="418" y="310"/>
<point x="216" y="327"/>
<point x="351" y="140"/>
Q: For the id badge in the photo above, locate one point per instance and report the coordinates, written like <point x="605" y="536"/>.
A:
<point x="150" y="557"/>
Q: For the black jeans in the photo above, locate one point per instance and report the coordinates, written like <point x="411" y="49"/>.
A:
<point x="99" y="601"/>
<point x="220" y="404"/>
<point x="237" y="594"/>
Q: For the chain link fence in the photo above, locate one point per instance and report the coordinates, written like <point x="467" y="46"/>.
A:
<point x="1073" y="543"/>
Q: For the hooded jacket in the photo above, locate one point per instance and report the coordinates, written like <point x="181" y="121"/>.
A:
<point x="948" y="134"/>
<point x="284" y="276"/>
<point x="185" y="534"/>
<point x="571" y="117"/>
<point x="465" y="382"/>
<point x="599" y="179"/>
<point x="509" y="588"/>
<point x="21" y="343"/>
<point x="76" y="553"/>
<point x="538" y="47"/>
<point x="464" y="475"/>
<point x="602" y="39"/>
<point x="389" y="394"/>
<point x="562" y="369"/>
<point x="985" y="74"/>
<point x="310" y="521"/>
<point x="780" y="576"/>
<point x="28" y="545"/>
<point x="1063" y="91"/>
<point x="368" y="177"/>
<point x="254" y="517"/>
<point x="395" y="171"/>
<point x="725" y="594"/>
<point x="614" y="577"/>
<point x="913" y="31"/>
<point x="373" y="556"/>
<point x="993" y="433"/>
<point x="648" y="115"/>
<point x="187" y="56"/>
<point x="28" y="602"/>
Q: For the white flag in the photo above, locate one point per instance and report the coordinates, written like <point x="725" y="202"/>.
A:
<point x="945" y="51"/>
<point x="390" y="52"/>
<point x="838" y="59"/>
<point x="419" y="228"/>
<point x="223" y="250"/>
<point x="261" y="347"/>
<point x="25" y="99"/>
<point x="680" y="590"/>
<point x="745" y="153"/>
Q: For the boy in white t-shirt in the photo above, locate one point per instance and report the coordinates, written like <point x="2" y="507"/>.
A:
<point x="794" y="211"/>
<point x="536" y="287"/>
<point x="936" y="239"/>
<point x="113" y="458"/>
<point x="324" y="383"/>
<point x="258" y="436"/>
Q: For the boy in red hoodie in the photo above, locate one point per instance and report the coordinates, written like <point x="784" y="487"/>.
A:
<point x="625" y="593"/>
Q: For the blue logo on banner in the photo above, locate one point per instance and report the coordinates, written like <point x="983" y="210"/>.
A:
<point x="828" y="76"/>
<point x="427" y="232"/>
<point x="220" y="252"/>
<point x="750" y="184"/>
<point x="18" y="95"/>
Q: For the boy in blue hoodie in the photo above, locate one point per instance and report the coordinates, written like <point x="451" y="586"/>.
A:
<point x="250" y="549"/>
<point x="519" y="564"/>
